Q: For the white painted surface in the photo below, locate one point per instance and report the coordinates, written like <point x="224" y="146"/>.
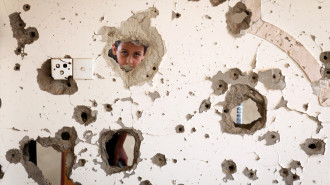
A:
<point x="196" y="48"/>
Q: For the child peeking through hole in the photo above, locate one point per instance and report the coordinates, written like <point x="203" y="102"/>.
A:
<point x="127" y="54"/>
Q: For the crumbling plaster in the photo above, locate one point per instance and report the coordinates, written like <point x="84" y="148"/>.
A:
<point x="198" y="46"/>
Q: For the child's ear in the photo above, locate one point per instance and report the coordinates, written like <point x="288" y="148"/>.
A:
<point x="114" y="51"/>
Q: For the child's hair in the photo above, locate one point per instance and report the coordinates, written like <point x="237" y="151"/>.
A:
<point x="110" y="53"/>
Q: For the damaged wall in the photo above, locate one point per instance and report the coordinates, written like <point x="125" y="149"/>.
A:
<point x="205" y="58"/>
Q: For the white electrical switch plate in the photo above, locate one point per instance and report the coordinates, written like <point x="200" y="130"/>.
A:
<point x="83" y="69"/>
<point x="61" y="68"/>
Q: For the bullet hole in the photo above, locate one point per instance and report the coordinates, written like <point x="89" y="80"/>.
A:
<point x="295" y="164"/>
<point x="108" y="107"/>
<point x="159" y="160"/>
<point x="56" y="87"/>
<point x="179" y="129"/>
<point x="228" y="168"/>
<point x="139" y="178"/>
<point x="23" y="36"/>
<point x="288" y="176"/>
<point x="319" y="7"/>
<point x="65" y="136"/>
<point x="235" y="96"/>
<point x="174" y="161"/>
<point x="238" y="18"/>
<point x="253" y="78"/>
<point x="17" y="67"/>
<point x="324" y="56"/>
<point x="138" y="114"/>
<point x="207" y="136"/>
<point x="140" y="34"/>
<point x="325" y="71"/>
<point x="13" y="156"/>
<point x="193" y="130"/>
<point x="251" y="174"/>
<point x="272" y="79"/>
<point x="189" y="116"/>
<point x="175" y="15"/>
<point x="219" y="87"/>
<point x="305" y="106"/>
<point x="26" y="7"/>
<point x="154" y="68"/>
<point x="84" y="115"/>
<point x="1" y="172"/>
<point x="205" y="105"/>
<point x="271" y="137"/>
<point x="145" y="182"/>
<point x="81" y="162"/>
<point x="127" y="139"/>
<point x="313" y="146"/>
<point x="216" y="2"/>
<point x="235" y="73"/>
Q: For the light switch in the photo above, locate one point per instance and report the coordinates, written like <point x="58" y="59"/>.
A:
<point x="83" y="69"/>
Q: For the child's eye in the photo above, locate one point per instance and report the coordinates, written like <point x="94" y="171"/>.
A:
<point x="124" y="52"/>
<point x="137" y="54"/>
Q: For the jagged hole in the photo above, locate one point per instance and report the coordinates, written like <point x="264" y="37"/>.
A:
<point x="245" y="113"/>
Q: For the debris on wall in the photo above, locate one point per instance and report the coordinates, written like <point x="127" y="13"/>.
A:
<point x="84" y="115"/>
<point x="313" y="146"/>
<point x="56" y="87"/>
<point x="228" y="168"/>
<point x="238" y="18"/>
<point x="136" y="29"/>
<point x="232" y="76"/>
<point x="22" y="35"/>
<point x="106" y="136"/>
<point x="251" y="174"/>
<point x="159" y="160"/>
<point x="271" y="137"/>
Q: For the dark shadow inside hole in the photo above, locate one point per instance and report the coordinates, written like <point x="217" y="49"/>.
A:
<point x="328" y="72"/>
<point x="312" y="146"/>
<point x="30" y="150"/>
<point x="32" y="34"/>
<point x="65" y="136"/>
<point x="65" y="65"/>
<point x="84" y="117"/>
<point x="325" y="57"/>
<point x="68" y="84"/>
<point x="128" y="55"/>
<point x="120" y="149"/>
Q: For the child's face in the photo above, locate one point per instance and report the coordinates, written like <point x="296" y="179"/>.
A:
<point x="128" y="55"/>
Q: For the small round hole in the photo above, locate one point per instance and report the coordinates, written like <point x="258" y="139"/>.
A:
<point x="57" y="65"/>
<point x="325" y="57"/>
<point x="154" y="68"/>
<point x="32" y="34"/>
<point x="65" y="65"/>
<point x="312" y="146"/>
<point x="84" y="117"/>
<point x="65" y="136"/>
<point x="68" y="84"/>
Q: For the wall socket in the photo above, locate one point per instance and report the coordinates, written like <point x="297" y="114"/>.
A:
<point x="61" y="68"/>
<point x="79" y="68"/>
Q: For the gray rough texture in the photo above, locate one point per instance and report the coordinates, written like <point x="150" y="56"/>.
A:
<point x="159" y="160"/>
<point x="84" y="115"/>
<point x="1" y="172"/>
<point x="154" y="95"/>
<point x="271" y="137"/>
<point x="251" y="174"/>
<point x="64" y="140"/>
<point x="313" y="146"/>
<point x="22" y="35"/>
<point x="288" y="176"/>
<point x="238" y="18"/>
<point x="282" y="103"/>
<point x="105" y="136"/>
<point x="179" y="129"/>
<point x="236" y="95"/>
<point x="13" y="156"/>
<point x="205" y="105"/>
<point x="107" y="107"/>
<point x="136" y="29"/>
<point x="295" y="164"/>
<point x="272" y="79"/>
<point x="232" y="76"/>
<point x="145" y="182"/>
<point x="228" y="167"/>
<point x="216" y="2"/>
<point x="56" y="87"/>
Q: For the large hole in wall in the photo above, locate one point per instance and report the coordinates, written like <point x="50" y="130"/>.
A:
<point x="136" y="35"/>
<point x="119" y="150"/>
<point x="128" y="55"/>
<point x="245" y="113"/>
<point x="247" y="95"/>
<point x="45" y="159"/>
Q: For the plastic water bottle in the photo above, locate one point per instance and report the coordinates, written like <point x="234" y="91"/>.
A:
<point x="239" y="114"/>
